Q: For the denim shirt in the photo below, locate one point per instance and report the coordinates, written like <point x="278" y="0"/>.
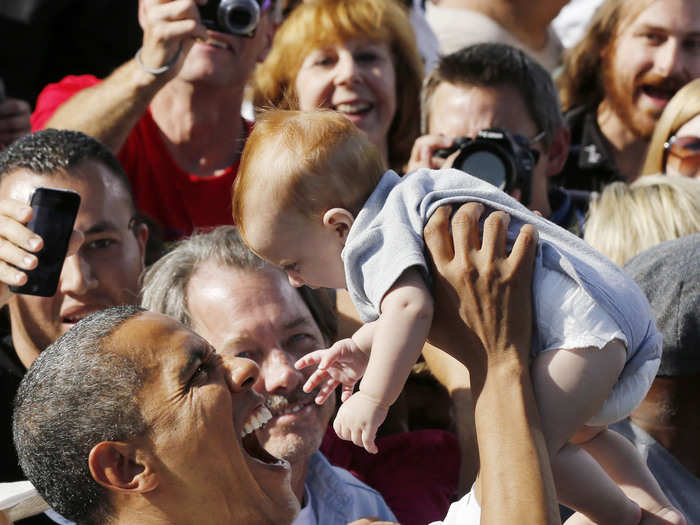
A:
<point x="338" y="497"/>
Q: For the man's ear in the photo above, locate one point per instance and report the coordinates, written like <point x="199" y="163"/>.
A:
<point x="141" y="232"/>
<point x="121" y="467"/>
<point x="339" y="220"/>
<point x="558" y="151"/>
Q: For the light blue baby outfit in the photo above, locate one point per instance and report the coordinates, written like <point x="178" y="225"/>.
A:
<point x="580" y="298"/>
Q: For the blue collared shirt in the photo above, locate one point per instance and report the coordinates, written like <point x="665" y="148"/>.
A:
<point x="336" y="497"/>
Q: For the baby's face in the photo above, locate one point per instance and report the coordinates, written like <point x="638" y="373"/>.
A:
<point x="307" y="251"/>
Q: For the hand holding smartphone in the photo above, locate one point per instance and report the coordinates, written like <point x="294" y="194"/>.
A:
<point x="53" y="219"/>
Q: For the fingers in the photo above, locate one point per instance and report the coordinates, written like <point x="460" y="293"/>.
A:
<point x="522" y="256"/>
<point x="368" y="440"/>
<point x="312" y="358"/>
<point x="346" y="392"/>
<point x="423" y="151"/>
<point x="17" y="242"/>
<point x="493" y="243"/>
<point x="166" y="27"/>
<point x="315" y="379"/>
<point x="465" y="227"/>
<point x="437" y="236"/>
<point x="326" y="390"/>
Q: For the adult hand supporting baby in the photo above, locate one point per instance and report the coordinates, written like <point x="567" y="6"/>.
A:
<point x="483" y="317"/>
<point x="482" y="296"/>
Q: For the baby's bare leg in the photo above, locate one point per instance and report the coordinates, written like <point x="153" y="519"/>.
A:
<point x="626" y="467"/>
<point x="571" y="386"/>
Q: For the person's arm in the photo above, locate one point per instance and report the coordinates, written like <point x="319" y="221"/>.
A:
<point x="454" y="376"/>
<point x="109" y="110"/>
<point x="398" y="337"/>
<point x="483" y="318"/>
<point x="399" y="334"/>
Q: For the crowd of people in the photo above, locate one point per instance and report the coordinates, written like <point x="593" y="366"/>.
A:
<point x="363" y="261"/>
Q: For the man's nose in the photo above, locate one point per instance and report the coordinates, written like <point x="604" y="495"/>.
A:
<point x="77" y="276"/>
<point x="278" y="372"/>
<point x="242" y="373"/>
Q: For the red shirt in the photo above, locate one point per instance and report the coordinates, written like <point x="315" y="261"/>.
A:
<point x="415" y="472"/>
<point x="177" y="200"/>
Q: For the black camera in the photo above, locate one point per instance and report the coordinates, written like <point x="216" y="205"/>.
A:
<point x="237" y="17"/>
<point x="498" y="157"/>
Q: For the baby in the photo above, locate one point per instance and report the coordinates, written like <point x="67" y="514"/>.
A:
<point x="313" y="196"/>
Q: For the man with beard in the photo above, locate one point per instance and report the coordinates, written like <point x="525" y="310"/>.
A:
<point x="244" y="307"/>
<point x="617" y="81"/>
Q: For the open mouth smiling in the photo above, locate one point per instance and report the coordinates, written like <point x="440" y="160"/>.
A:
<point x="354" y="108"/>
<point x="252" y="447"/>
<point x="215" y="43"/>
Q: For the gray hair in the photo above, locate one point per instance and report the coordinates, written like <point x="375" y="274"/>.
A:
<point x="75" y="395"/>
<point x="164" y="285"/>
<point x="492" y="64"/>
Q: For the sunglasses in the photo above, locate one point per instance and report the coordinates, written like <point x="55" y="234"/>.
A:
<point x="683" y="155"/>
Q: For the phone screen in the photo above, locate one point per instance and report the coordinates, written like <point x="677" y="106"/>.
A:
<point x="53" y="219"/>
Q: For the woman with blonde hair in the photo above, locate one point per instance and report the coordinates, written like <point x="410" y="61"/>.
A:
<point x="358" y="57"/>
<point x="625" y="220"/>
<point x="675" y="145"/>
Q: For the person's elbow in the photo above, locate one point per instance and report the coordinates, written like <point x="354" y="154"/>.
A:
<point x="413" y="305"/>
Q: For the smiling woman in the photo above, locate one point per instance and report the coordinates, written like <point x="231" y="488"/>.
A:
<point x="358" y="57"/>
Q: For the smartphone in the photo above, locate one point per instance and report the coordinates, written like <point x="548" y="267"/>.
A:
<point x="53" y="220"/>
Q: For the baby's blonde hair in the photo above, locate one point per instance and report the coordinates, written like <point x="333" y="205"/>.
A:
<point x="627" y="219"/>
<point x="307" y="162"/>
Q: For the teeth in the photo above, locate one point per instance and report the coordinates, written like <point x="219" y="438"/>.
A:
<point x="218" y="44"/>
<point x="256" y="420"/>
<point x="355" y="107"/>
<point x="214" y="42"/>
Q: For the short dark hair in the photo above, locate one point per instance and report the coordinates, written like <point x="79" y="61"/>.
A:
<point x="52" y="151"/>
<point x="491" y="65"/>
<point x="75" y="395"/>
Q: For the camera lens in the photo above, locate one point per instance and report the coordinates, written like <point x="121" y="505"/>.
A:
<point x="239" y="17"/>
<point x="486" y="166"/>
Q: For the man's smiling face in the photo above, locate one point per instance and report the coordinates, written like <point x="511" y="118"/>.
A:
<point x="259" y="315"/>
<point x="652" y="57"/>
<point x="202" y="415"/>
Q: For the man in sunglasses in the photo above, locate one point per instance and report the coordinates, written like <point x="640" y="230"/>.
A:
<point x="498" y="94"/>
<point x="172" y="113"/>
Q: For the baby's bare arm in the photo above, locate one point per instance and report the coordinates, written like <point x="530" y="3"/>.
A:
<point x="399" y="335"/>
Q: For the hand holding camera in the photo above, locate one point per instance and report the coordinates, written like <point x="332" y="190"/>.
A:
<point x="237" y="17"/>
<point x="501" y="158"/>
<point x="169" y="29"/>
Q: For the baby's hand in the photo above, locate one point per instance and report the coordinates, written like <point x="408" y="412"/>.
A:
<point x="341" y="364"/>
<point x="358" y="419"/>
